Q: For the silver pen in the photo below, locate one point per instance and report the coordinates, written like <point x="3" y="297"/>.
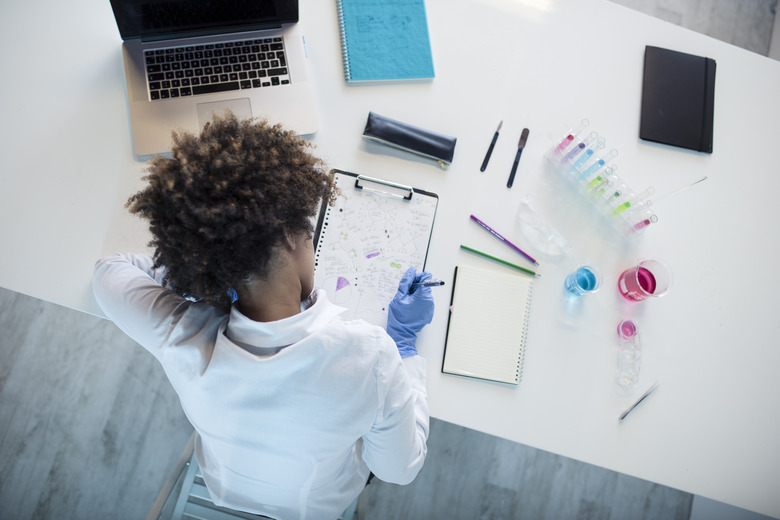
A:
<point x="642" y="398"/>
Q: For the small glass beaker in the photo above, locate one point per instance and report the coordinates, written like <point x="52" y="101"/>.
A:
<point x="585" y="279"/>
<point x="647" y="278"/>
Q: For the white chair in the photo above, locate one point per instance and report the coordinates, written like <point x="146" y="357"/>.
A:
<point x="184" y="496"/>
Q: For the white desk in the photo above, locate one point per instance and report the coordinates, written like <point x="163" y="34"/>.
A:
<point x="712" y="428"/>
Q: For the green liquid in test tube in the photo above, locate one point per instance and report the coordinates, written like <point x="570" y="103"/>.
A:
<point x="595" y="182"/>
<point x="620" y="209"/>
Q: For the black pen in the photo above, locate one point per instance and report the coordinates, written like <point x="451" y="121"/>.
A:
<point x="490" y="148"/>
<point x="429" y="283"/>
<point x="520" y="146"/>
<point x="642" y="398"/>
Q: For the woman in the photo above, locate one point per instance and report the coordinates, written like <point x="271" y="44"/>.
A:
<point x="293" y="407"/>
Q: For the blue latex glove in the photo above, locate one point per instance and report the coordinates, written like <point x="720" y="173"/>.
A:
<point x="410" y="311"/>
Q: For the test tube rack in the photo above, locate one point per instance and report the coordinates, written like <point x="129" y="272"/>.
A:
<point x="580" y="158"/>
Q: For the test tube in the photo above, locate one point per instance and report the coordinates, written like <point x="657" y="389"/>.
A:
<point x="643" y="222"/>
<point x="638" y="207"/>
<point x="615" y="192"/>
<point x="642" y="196"/>
<point x="600" y="143"/>
<point x="609" y="178"/>
<point x="633" y="203"/>
<point x="580" y="147"/>
<point x="602" y="186"/>
<point x="620" y="208"/>
<point x="570" y="135"/>
<point x="597" y="180"/>
<point x="601" y="161"/>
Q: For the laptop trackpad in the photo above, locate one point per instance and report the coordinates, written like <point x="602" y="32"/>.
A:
<point x="241" y="108"/>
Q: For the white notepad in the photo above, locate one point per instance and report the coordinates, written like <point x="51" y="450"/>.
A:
<point x="488" y="324"/>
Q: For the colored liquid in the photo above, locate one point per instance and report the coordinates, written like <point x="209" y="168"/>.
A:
<point x="566" y="140"/>
<point x="627" y="329"/>
<point x="577" y="149"/>
<point x="636" y="284"/>
<point x="584" y="157"/>
<point x="581" y="281"/>
<point x="642" y="224"/>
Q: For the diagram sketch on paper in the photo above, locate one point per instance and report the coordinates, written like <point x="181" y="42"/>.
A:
<point x="366" y="243"/>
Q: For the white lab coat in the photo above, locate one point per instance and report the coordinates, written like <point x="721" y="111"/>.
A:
<point x="291" y="415"/>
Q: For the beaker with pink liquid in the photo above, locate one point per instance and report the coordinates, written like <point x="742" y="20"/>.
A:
<point x="648" y="278"/>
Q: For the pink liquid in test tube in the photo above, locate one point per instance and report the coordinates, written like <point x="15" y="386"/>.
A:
<point x="644" y="223"/>
<point x="566" y="141"/>
<point x="570" y="137"/>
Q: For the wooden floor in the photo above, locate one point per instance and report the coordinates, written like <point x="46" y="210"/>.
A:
<point x="745" y="23"/>
<point x="470" y="475"/>
<point x="90" y="428"/>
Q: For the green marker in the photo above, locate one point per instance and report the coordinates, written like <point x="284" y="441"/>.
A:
<point x="502" y="262"/>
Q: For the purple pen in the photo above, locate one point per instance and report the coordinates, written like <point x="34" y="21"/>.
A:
<point x="504" y="240"/>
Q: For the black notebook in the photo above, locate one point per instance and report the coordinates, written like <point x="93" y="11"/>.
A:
<point x="678" y="97"/>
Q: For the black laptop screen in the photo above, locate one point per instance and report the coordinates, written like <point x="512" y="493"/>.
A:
<point x="160" y="19"/>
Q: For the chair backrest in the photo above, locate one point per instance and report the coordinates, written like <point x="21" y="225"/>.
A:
<point x="193" y="500"/>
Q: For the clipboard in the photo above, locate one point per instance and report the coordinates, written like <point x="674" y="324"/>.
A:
<point x="365" y="242"/>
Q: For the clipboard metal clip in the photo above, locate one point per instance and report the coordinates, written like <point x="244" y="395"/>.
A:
<point x="406" y="192"/>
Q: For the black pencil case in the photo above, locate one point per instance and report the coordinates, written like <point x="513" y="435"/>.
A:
<point x="410" y="138"/>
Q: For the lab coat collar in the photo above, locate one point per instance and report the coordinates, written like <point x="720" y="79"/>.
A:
<point x="315" y="312"/>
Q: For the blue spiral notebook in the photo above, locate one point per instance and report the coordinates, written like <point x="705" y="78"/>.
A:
<point x="385" y="40"/>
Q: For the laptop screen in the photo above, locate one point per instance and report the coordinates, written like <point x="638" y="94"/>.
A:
<point x="162" y="19"/>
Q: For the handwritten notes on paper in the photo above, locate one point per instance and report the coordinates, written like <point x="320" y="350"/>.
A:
<point x="366" y="243"/>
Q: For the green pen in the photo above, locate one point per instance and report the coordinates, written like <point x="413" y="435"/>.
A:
<point x="502" y="262"/>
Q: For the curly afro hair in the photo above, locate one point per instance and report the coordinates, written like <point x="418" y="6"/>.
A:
<point x="225" y="199"/>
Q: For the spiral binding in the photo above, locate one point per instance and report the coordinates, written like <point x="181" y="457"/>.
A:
<point x="321" y="231"/>
<point x="344" y="45"/>
<point x="521" y="361"/>
<point x="319" y="241"/>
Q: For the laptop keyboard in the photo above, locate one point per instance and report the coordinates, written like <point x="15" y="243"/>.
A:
<point x="217" y="67"/>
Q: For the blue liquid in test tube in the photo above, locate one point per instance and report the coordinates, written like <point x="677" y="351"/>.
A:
<point x="584" y="157"/>
<point x="593" y="168"/>
<point x="588" y="154"/>
<point x="599" y="163"/>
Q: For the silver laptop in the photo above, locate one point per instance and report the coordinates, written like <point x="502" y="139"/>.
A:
<point x="186" y="60"/>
